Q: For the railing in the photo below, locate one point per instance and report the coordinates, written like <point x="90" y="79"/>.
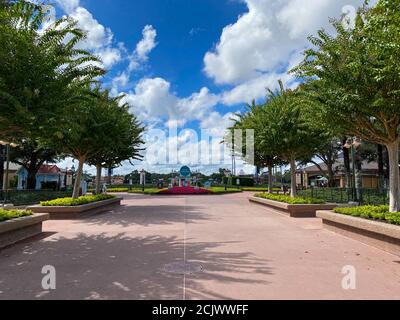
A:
<point x="30" y="197"/>
<point x="345" y="195"/>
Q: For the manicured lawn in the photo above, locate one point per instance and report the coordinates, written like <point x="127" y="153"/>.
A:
<point x="6" y="215"/>
<point x="69" y="202"/>
<point x="260" y="189"/>
<point x="288" y="199"/>
<point x="221" y="190"/>
<point x="371" y="212"/>
<point x="116" y="190"/>
<point x="146" y="191"/>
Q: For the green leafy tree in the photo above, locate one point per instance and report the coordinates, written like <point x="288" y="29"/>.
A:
<point x="282" y="131"/>
<point x="30" y="156"/>
<point x="359" y="76"/>
<point x="40" y="71"/>
<point x="119" y="138"/>
<point x="265" y="154"/>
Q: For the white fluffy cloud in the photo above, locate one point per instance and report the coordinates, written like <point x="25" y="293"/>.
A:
<point x="68" y="5"/>
<point x="253" y="53"/>
<point x="148" y="43"/>
<point x="153" y="100"/>
<point x="143" y="48"/>
<point x="99" y="39"/>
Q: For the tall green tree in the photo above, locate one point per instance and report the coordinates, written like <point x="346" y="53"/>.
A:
<point x="100" y="132"/>
<point x="31" y="157"/>
<point x="359" y="77"/>
<point x="121" y="139"/>
<point x="283" y="131"/>
<point x="40" y="71"/>
<point x="265" y="154"/>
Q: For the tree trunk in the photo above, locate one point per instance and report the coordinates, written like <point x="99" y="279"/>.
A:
<point x="358" y="173"/>
<point x="293" y="168"/>
<point x="98" y="178"/>
<point x="393" y="151"/>
<point x="1" y="166"/>
<point x="331" y="175"/>
<point x="270" y="179"/>
<point x="77" y="185"/>
<point x="110" y="172"/>
<point x="31" y="180"/>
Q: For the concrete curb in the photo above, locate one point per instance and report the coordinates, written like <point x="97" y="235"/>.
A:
<point x="294" y="210"/>
<point x="378" y="234"/>
<point x="15" y="230"/>
<point x="65" y="213"/>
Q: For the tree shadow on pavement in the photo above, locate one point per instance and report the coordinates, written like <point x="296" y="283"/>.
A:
<point x="121" y="267"/>
<point x="146" y="215"/>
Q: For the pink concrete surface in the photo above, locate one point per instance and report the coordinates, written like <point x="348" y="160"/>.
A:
<point x="246" y="251"/>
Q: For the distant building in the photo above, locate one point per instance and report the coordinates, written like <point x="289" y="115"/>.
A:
<point x="12" y="172"/>
<point x="312" y="175"/>
<point x="48" y="177"/>
<point x="115" y="180"/>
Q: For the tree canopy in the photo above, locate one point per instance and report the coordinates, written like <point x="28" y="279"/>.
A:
<point x="357" y="76"/>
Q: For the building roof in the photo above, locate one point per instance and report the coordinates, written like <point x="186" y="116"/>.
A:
<point x="13" y="166"/>
<point x="49" y="169"/>
<point x="339" y="167"/>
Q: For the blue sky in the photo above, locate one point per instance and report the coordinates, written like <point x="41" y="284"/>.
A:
<point x="197" y="62"/>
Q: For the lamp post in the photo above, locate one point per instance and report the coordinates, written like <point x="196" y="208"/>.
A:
<point x="73" y="175"/>
<point x="227" y="173"/>
<point x="354" y="144"/>
<point x="7" y="146"/>
<point x="143" y="179"/>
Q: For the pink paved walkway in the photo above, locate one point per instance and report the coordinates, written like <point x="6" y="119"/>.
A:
<point x="246" y="251"/>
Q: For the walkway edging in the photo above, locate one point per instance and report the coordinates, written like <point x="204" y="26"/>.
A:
<point x="294" y="210"/>
<point x="378" y="234"/>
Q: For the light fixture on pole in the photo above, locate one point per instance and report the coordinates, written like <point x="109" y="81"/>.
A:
<point x="143" y="179"/>
<point x="8" y="145"/>
<point x="354" y="144"/>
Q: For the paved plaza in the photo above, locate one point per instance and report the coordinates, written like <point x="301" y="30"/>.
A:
<point x="195" y="247"/>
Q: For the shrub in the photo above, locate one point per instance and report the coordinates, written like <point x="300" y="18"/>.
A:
<point x="69" y="202"/>
<point x="260" y="189"/>
<point x="371" y="212"/>
<point x="244" y="181"/>
<point x="115" y="190"/>
<point x="49" y="185"/>
<point x="288" y="199"/>
<point x="6" y="215"/>
<point x="29" y="197"/>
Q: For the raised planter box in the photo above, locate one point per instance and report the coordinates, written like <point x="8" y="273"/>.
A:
<point x="294" y="210"/>
<point x="76" y="212"/>
<point x="380" y="235"/>
<point x="15" y="230"/>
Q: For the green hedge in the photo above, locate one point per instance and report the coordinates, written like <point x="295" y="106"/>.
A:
<point x="221" y="190"/>
<point x="371" y="212"/>
<point x="146" y="191"/>
<point x="116" y="190"/>
<point x="6" y="215"/>
<point x="288" y="199"/>
<point x="260" y="189"/>
<point x="29" y="197"/>
<point x="244" y="182"/>
<point x="69" y="202"/>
